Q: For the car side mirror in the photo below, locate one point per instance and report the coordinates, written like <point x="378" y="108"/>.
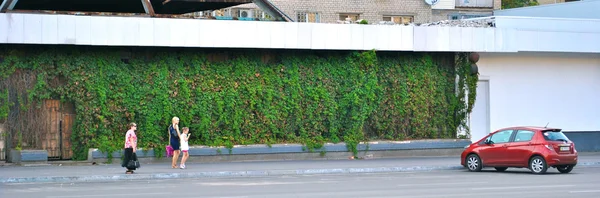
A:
<point x="487" y="141"/>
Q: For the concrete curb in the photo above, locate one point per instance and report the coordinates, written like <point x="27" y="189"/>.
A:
<point x="213" y="174"/>
<point x="258" y="173"/>
<point x="95" y="154"/>
<point x="589" y="164"/>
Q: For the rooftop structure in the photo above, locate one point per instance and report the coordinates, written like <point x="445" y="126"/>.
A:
<point x="585" y="9"/>
<point x="120" y="6"/>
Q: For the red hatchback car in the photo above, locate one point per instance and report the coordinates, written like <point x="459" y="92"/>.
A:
<point x="536" y="148"/>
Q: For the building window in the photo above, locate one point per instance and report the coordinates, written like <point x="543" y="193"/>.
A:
<point x="309" y="17"/>
<point x="349" y="17"/>
<point x="399" y="19"/>
<point x="458" y="16"/>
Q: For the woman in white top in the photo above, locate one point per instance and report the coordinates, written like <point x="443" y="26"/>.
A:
<point x="185" y="147"/>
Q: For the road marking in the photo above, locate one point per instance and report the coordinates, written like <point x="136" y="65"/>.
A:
<point x="429" y="177"/>
<point x="445" y="183"/>
<point x="519" y="187"/>
<point x="444" y="195"/>
<point x="226" y="197"/>
<point x="258" y="183"/>
<point x="109" y="195"/>
<point x="585" y="191"/>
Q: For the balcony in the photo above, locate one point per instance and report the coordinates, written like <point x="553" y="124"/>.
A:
<point x="475" y="3"/>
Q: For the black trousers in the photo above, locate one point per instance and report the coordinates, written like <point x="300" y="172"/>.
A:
<point x="128" y="155"/>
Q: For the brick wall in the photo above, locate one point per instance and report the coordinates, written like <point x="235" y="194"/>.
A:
<point x="370" y="10"/>
<point x="440" y="15"/>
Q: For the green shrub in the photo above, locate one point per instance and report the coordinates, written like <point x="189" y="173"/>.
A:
<point x="249" y="97"/>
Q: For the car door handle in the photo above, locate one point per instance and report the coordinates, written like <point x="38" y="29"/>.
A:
<point x="505" y="145"/>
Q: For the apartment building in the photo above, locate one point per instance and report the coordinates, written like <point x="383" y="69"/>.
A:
<point x="375" y="11"/>
<point x="246" y="11"/>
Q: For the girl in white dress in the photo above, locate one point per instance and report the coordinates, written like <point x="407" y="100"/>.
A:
<point x="185" y="147"/>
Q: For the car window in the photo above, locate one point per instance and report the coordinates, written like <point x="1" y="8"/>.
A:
<point x="501" y="137"/>
<point x="524" y="136"/>
<point x="555" y="136"/>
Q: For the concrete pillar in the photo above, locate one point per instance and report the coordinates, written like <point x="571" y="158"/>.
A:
<point x="497" y="4"/>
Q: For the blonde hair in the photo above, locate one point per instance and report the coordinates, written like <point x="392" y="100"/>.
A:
<point x="132" y="125"/>
<point x="174" y="118"/>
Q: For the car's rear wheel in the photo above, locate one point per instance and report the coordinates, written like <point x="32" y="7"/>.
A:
<point x="500" y="169"/>
<point x="474" y="163"/>
<point x="538" y="165"/>
<point x="565" y="168"/>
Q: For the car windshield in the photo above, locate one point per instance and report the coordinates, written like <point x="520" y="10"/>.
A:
<point x="555" y="136"/>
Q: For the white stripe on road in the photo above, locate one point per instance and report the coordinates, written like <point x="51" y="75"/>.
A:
<point x="258" y="183"/>
<point x="520" y="187"/>
<point x="441" y="184"/>
<point x="108" y="195"/>
<point x="215" y="197"/>
<point x="231" y="197"/>
<point x="429" y="177"/>
<point x="585" y="191"/>
<point x="480" y="194"/>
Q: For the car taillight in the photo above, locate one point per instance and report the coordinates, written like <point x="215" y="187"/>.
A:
<point x="573" y="148"/>
<point x="549" y="147"/>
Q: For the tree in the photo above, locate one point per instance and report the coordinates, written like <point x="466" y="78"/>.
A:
<point x="507" y="4"/>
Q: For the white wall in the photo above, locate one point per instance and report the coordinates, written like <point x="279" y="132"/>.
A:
<point x="577" y="9"/>
<point x="444" y="5"/>
<point x="168" y="32"/>
<point x="535" y="88"/>
<point x="509" y="35"/>
<point x="551" y="34"/>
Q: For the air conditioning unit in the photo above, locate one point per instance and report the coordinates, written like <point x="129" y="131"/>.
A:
<point x="246" y="13"/>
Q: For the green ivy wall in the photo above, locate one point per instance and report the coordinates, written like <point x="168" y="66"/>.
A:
<point x="247" y="96"/>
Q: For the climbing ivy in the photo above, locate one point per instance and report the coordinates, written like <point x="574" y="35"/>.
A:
<point x="248" y="97"/>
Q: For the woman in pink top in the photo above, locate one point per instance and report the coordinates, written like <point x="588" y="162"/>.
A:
<point x="130" y="147"/>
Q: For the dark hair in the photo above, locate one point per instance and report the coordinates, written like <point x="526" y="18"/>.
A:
<point x="185" y="129"/>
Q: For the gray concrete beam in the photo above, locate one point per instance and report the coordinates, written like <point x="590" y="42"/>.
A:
<point x="148" y="7"/>
<point x="7" y="5"/>
<point x="272" y="10"/>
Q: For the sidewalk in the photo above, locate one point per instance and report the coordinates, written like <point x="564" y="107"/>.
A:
<point x="114" y="172"/>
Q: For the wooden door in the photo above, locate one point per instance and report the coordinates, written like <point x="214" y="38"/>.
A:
<point x="56" y="139"/>
<point x="66" y="131"/>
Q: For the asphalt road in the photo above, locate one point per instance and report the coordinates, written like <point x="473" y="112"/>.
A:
<point x="582" y="182"/>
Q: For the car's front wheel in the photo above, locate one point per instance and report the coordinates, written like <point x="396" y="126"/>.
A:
<point x="565" y="168"/>
<point x="474" y="163"/>
<point x="538" y="165"/>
